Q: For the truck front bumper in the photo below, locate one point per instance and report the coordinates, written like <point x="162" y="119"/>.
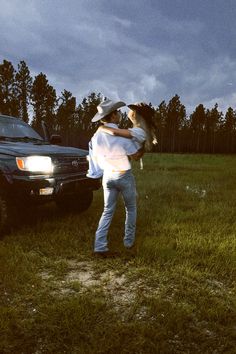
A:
<point x="38" y="189"/>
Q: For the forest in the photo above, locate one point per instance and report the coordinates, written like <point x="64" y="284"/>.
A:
<point x="34" y="100"/>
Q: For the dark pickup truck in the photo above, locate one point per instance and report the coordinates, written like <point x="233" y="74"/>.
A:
<point x="34" y="171"/>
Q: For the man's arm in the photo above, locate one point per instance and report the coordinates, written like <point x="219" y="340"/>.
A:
<point x="138" y="155"/>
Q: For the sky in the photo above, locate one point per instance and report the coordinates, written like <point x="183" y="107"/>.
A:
<point x="130" y="50"/>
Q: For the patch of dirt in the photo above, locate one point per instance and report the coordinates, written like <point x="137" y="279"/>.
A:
<point x="117" y="288"/>
<point x="83" y="273"/>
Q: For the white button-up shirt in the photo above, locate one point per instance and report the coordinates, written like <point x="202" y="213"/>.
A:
<point x="109" y="153"/>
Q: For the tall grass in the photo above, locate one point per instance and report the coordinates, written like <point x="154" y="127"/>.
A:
<point x="176" y="296"/>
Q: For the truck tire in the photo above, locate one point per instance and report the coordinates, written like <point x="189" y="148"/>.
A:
<point x="76" y="203"/>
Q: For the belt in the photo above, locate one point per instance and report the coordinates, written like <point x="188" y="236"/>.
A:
<point x="120" y="171"/>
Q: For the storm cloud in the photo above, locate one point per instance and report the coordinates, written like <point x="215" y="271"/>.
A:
<point x="130" y="50"/>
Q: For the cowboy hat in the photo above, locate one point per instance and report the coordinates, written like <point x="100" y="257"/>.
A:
<point x="106" y="107"/>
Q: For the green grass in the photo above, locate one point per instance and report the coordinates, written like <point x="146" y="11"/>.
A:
<point x="178" y="295"/>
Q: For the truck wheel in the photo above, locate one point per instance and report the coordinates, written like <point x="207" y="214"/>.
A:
<point x="76" y="203"/>
<point x="4" y="215"/>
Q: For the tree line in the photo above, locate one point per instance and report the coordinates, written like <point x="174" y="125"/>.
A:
<point x="203" y="131"/>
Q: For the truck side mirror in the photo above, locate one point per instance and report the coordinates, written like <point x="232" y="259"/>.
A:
<point x="55" y="139"/>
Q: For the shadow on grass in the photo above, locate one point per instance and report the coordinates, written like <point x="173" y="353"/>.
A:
<point x="37" y="216"/>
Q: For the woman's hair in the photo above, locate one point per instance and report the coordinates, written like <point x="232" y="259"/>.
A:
<point x="145" y="119"/>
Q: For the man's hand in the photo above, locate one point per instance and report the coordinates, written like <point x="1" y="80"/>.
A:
<point x="137" y="156"/>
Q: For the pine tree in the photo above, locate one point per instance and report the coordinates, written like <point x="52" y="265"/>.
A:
<point x="86" y="111"/>
<point x="43" y="97"/>
<point x="23" y="89"/>
<point x="161" y="117"/>
<point x="213" y="118"/>
<point x="83" y="116"/>
<point x="8" y="99"/>
<point x="197" y="125"/>
<point x="66" y="116"/>
<point x="229" y="127"/>
<point x="176" y="115"/>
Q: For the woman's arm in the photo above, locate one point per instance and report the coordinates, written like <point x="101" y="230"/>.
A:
<point x="125" y="133"/>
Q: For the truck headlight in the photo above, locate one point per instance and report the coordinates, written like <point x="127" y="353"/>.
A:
<point x="41" y="164"/>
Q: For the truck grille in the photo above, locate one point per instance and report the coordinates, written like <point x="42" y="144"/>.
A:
<point x="71" y="164"/>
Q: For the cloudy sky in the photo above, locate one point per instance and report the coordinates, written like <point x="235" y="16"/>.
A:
<point x="132" y="50"/>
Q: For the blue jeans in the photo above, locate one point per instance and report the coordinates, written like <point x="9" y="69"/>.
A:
<point x="114" y="184"/>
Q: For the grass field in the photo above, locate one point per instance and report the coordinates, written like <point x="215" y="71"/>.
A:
<point x="178" y="295"/>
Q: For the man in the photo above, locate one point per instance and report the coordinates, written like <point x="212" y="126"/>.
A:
<point x="110" y="156"/>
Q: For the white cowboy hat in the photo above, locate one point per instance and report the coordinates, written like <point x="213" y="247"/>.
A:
<point x="106" y="107"/>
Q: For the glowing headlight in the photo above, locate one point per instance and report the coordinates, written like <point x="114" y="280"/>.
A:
<point x="41" y="164"/>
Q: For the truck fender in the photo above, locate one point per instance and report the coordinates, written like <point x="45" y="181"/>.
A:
<point x="5" y="175"/>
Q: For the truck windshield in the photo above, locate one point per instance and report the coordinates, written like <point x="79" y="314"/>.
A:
<point x="14" y="129"/>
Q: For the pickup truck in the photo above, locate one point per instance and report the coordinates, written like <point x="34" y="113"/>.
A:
<point x="35" y="171"/>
